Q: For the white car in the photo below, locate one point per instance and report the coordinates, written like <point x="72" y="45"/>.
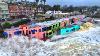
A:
<point x="24" y="18"/>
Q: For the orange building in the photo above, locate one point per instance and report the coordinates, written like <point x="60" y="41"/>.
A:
<point x="20" y="10"/>
<point x="13" y="10"/>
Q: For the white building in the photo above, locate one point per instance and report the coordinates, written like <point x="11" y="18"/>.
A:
<point x="9" y="1"/>
<point x="57" y="14"/>
<point x="4" y="13"/>
<point x="53" y="12"/>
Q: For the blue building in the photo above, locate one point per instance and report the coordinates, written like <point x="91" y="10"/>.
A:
<point x="69" y="29"/>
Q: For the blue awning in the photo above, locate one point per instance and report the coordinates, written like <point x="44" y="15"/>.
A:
<point x="33" y="31"/>
<point x="17" y="32"/>
<point x="5" y="33"/>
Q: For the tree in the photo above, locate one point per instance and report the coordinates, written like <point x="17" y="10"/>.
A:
<point x="56" y="7"/>
<point x="40" y="5"/>
<point x="44" y="5"/>
<point x="41" y="1"/>
<point x="94" y="8"/>
<point x="34" y="5"/>
<point x="64" y="8"/>
<point x="44" y="1"/>
<point x="37" y="1"/>
<point x="7" y="25"/>
<point x="21" y="22"/>
<point x="1" y="31"/>
<point x="70" y="8"/>
<point x="48" y="7"/>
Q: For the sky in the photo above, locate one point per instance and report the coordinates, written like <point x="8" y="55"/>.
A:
<point x="73" y="2"/>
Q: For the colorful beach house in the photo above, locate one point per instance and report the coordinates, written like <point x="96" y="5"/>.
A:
<point x="69" y="29"/>
<point x="24" y="29"/>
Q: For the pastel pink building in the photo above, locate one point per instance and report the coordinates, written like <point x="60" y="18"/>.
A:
<point x="75" y="20"/>
<point x="11" y="33"/>
<point x="24" y="29"/>
<point x="38" y="33"/>
<point x="63" y="24"/>
<point x="35" y="32"/>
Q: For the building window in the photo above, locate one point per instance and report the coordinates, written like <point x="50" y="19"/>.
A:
<point x="73" y="29"/>
<point x="39" y="30"/>
<point x="49" y="28"/>
<point x="29" y="32"/>
<point x="56" y="25"/>
<point x="53" y="26"/>
<point x="44" y="29"/>
<point x="43" y="35"/>
<point x="59" y="24"/>
<point x="50" y="33"/>
<point x="67" y="31"/>
<point x="33" y="31"/>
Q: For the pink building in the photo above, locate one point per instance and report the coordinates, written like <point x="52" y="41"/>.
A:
<point x="35" y="32"/>
<point x="20" y="10"/>
<point x="25" y="10"/>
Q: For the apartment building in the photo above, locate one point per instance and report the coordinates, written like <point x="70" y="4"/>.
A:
<point x="4" y="13"/>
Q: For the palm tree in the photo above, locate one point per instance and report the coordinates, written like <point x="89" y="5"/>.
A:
<point x="44" y="1"/>
<point x="37" y="1"/>
<point x="41" y="1"/>
<point x="44" y="5"/>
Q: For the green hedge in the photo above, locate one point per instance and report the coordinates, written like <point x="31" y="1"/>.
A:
<point x="7" y="25"/>
<point x="22" y="21"/>
<point x="16" y="24"/>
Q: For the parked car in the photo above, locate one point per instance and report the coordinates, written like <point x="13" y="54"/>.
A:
<point x="24" y="18"/>
<point x="8" y="19"/>
<point x="2" y="20"/>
